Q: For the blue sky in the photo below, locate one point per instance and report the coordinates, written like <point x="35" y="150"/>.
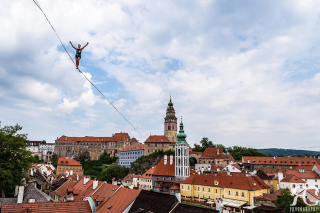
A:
<point x="240" y="72"/>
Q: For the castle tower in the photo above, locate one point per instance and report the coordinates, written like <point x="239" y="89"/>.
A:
<point x="182" y="167"/>
<point x="170" y="123"/>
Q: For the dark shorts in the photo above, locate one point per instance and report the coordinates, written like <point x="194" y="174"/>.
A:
<point x="78" y="56"/>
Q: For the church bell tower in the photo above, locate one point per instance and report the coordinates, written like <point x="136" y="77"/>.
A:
<point x="182" y="167"/>
<point x="170" y="123"/>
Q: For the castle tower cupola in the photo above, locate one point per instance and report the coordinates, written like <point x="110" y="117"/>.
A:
<point x="170" y="123"/>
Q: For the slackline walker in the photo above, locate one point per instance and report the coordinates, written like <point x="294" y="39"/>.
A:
<point x="77" y="66"/>
<point x="78" y="53"/>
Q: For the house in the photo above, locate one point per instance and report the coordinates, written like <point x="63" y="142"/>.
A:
<point x="67" y="207"/>
<point x="103" y="193"/>
<point x="70" y="146"/>
<point x="131" y="180"/>
<point x="69" y="166"/>
<point x="215" y="157"/>
<point x="271" y="180"/>
<point x="145" y="181"/>
<point x="155" y="143"/>
<point x="62" y="190"/>
<point x="130" y="154"/>
<point x="33" y="195"/>
<point x="266" y="200"/>
<point x="239" y="187"/>
<point x="46" y="150"/>
<point x="312" y="195"/>
<point x="120" y="201"/>
<point x="293" y="183"/>
<point x="80" y="190"/>
<point x="33" y="146"/>
<point x="273" y="164"/>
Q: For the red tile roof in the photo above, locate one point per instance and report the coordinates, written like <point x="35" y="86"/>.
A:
<point x="116" y="137"/>
<point x="215" y="153"/>
<point x="240" y="181"/>
<point x="157" y="138"/>
<point x="119" y="201"/>
<point x="149" y="173"/>
<point x="104" y="191"/>
<point x="68" y="161"/>
<point x="313" y="193"/>
<point x="292" y="179"/>
<point x="267" y="197"/>
<point x="47" y="207"/>
<point x="303" y="175"/>
<point x="165" y="170"/>
<point x="306" y="168"/>
<point x="80" y="188"/>
<point x="133" y="148"/>
<point x="90" y="190"/>
<point x="130" y="177"/>
<point x="289" y="161"/>
<point x="62" y="190"/>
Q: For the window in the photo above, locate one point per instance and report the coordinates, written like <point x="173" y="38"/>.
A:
<point x="242" y="194"/>
<point x="181" y="186"/>
<point x="208" y="189"/>
<point x="188" y="187"/>
<point x="293" y="185"/>
<point x="198" y="188"/>
<point x="237" y="193"/>
<point x="229" y="192"/>
<point x="216" y="190"/>
<point x="203" y="189"/>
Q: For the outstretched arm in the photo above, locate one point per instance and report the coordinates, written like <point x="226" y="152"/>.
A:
<point x="72" y="45"/>
<point x="84" y="46"/>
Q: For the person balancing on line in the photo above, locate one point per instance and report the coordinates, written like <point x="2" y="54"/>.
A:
<point x="78" y="54"/>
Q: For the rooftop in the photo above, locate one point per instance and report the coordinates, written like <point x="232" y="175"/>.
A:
<point x="289" y="161"/>
<point x="157" y="138"/>
<point x="61" y="207"/>
<point x="165" y="170"/>
<point x="119" y="201"/>
<point x="215" y="153"/>
<point x="68" y="161"/>
<point x="149" y="173"/>
<point x="133" y="148"/>
<point x="63" y="188"/>
<point x="115" y="137"/>
<point x="153" y="202"/>
<point x="236" y="181"/>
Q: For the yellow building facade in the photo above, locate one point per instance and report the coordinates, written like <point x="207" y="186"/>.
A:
<point x="235" y="188"/>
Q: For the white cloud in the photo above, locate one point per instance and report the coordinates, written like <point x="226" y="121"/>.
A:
<point x="241" y="74"/>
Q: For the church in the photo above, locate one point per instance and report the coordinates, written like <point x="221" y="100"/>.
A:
<point x="167" y="141"/>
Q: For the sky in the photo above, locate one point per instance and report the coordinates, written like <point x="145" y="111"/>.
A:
<point x="242" y="73"/>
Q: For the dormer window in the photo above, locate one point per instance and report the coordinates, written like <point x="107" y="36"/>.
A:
<point x="61" y="161"/>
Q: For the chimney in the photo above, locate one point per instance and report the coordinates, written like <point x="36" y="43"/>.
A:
<point x="165" y="160"/>
<point x="77" y="177"/>
<point x="20" y="194"/>
<point x="85" y="180"/>
<point x="171" y="159"/>
<point x="316" y="191"/>
<point x="95" y="184"/>
<point x="217" y="151"/>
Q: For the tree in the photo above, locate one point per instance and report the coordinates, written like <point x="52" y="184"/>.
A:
<point x="44" y="142"/>
<point x="112" y="171"/>
<point x="14" y="160"/>
<point x="197" y="148"/>
<point x="205" y="143"/>
<point x="106" y="159"/>
<point x="285" y="200"/>
<point x="238" y="151"/>
<point x="83" y="156"/>
<point x="54" y="160"/>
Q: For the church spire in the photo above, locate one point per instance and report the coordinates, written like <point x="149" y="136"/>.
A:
<point x="170" y="123"/>
<point x="181" y="136"/>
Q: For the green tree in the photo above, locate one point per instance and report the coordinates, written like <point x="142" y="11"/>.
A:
<point x="14" y="160"/>
<point x="238" y="151"/>
<point x="285" y="200"/>
<point x="205" y="143"/>
<point x="106" y="159"/>
<point x="44" y="142"/>
<point x="197" y="148"/>
<point x="54" y="160"/>
<point x="112" y="171"/>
